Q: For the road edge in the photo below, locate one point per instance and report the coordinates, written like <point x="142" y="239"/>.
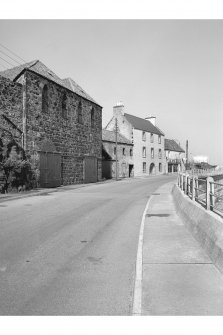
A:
<point x="137" y="294"/>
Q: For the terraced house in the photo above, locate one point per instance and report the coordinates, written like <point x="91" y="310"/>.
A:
<point x="175" y="156"/>
<point x="58" y="124"/>
<point x="147" y="139"/>
<point x="123" y="152"/>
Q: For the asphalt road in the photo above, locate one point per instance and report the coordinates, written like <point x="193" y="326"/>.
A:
<point x="73" y="252"/>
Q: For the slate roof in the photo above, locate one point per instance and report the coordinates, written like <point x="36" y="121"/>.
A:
<point x="73" y="86"/>
<point x="172" y="145"/>
<point x="109" y="136"/>
<point x="143" y="124"/>
<point x="41" y="69"/>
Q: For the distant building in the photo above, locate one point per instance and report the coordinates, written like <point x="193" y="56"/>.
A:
<point x="174" y="156"/>
<point x="200" y="159"/>
<point x="55" y="121"/>
<point x="147" y="138"/>
<point x="124" y="155"/>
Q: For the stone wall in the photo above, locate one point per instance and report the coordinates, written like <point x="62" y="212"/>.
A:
<point x="10" y="110"/>
<point x="205" y="226"/>
<point x="72" y="139"/>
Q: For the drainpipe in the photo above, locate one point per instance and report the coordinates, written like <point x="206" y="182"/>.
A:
<point x="24" y="111"/>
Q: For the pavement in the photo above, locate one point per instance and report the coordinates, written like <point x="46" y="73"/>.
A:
<point x="178" y="278"/>
<point x="43" y="191"/>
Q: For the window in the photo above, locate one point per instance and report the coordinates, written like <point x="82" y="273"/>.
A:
<point x="64" y="107"/>
<point x="160" y="167"/>
<point x="45" y="99"/>
<point x="151" y="138"/>
<point x="130" y="152"/>
<point x="79" y="113"/>
<point x="144" y="167"/>
<point x="159" y="139"/>
<point x="144" y="152"/>
<point x="123" y="151"/>
<point x="114" y="150"/>
<point x="143" y="135"/>
<point x="152" y="152"/>
<point x="160" y="153"/>
<point x="92" y="117"/>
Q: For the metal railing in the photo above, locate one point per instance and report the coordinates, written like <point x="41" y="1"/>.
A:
<point x="203" y="190"/>
<point x="204" y="172"/>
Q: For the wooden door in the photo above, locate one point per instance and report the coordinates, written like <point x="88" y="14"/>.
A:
<point x="90" y="169"/>
<point x="50" y="169"/>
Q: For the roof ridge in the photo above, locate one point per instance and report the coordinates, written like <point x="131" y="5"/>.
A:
<point x="145" y="121"/>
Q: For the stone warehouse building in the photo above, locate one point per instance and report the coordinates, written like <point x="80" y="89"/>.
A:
<point x="124" y="152"/>
<point x="58" y="124"/>
<point x="148" y="140"/>
<point x="175" y="156"/>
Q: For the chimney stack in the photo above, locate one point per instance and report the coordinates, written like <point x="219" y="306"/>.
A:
<point x="152" y="119"/>
<point x="118" y="109"/>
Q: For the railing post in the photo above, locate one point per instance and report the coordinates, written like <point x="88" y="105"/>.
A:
<point x="181" y="181"/>
<point x="196" y="190"/>
<point x="185" y="184"/>
<point x="212" y="197"/>
<point x="208" y="193"/>
<point x="193" y="189"/>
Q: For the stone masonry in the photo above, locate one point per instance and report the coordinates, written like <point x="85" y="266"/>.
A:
<point x="57" y="128"/>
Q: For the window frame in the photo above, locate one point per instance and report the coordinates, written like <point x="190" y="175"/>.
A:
<point x="92" y="117"/>
<point x="45" y="99"/>
<point x="64" y="107"/>
<point x="79" y="113"/>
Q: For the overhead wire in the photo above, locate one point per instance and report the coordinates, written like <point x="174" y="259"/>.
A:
<point x="14" y="60"/>
<point x="7" y="62"/>
<point x="13" y="53"/>
<point x="3" y="66"/>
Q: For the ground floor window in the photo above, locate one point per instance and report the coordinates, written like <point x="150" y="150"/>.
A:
<point x="160" y="167"/>
<point x="144" y="167"/>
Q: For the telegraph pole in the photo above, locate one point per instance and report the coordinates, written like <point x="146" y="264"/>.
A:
<point x="116" y="149"/>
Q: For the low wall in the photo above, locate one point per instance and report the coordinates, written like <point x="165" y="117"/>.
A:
<point x="205" y="226"/>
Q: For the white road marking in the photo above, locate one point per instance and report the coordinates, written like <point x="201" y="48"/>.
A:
<point x="137" y="296"/>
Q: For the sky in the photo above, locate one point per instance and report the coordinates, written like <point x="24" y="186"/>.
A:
<point x="172" y="69"/>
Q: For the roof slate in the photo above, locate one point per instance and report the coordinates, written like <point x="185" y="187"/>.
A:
<point x="172" y="145"/>
<point x="41" y="69"/>
<point x="142" y="124"/>
<point x="73" y="86"/>
<point x="109" y="136"/>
